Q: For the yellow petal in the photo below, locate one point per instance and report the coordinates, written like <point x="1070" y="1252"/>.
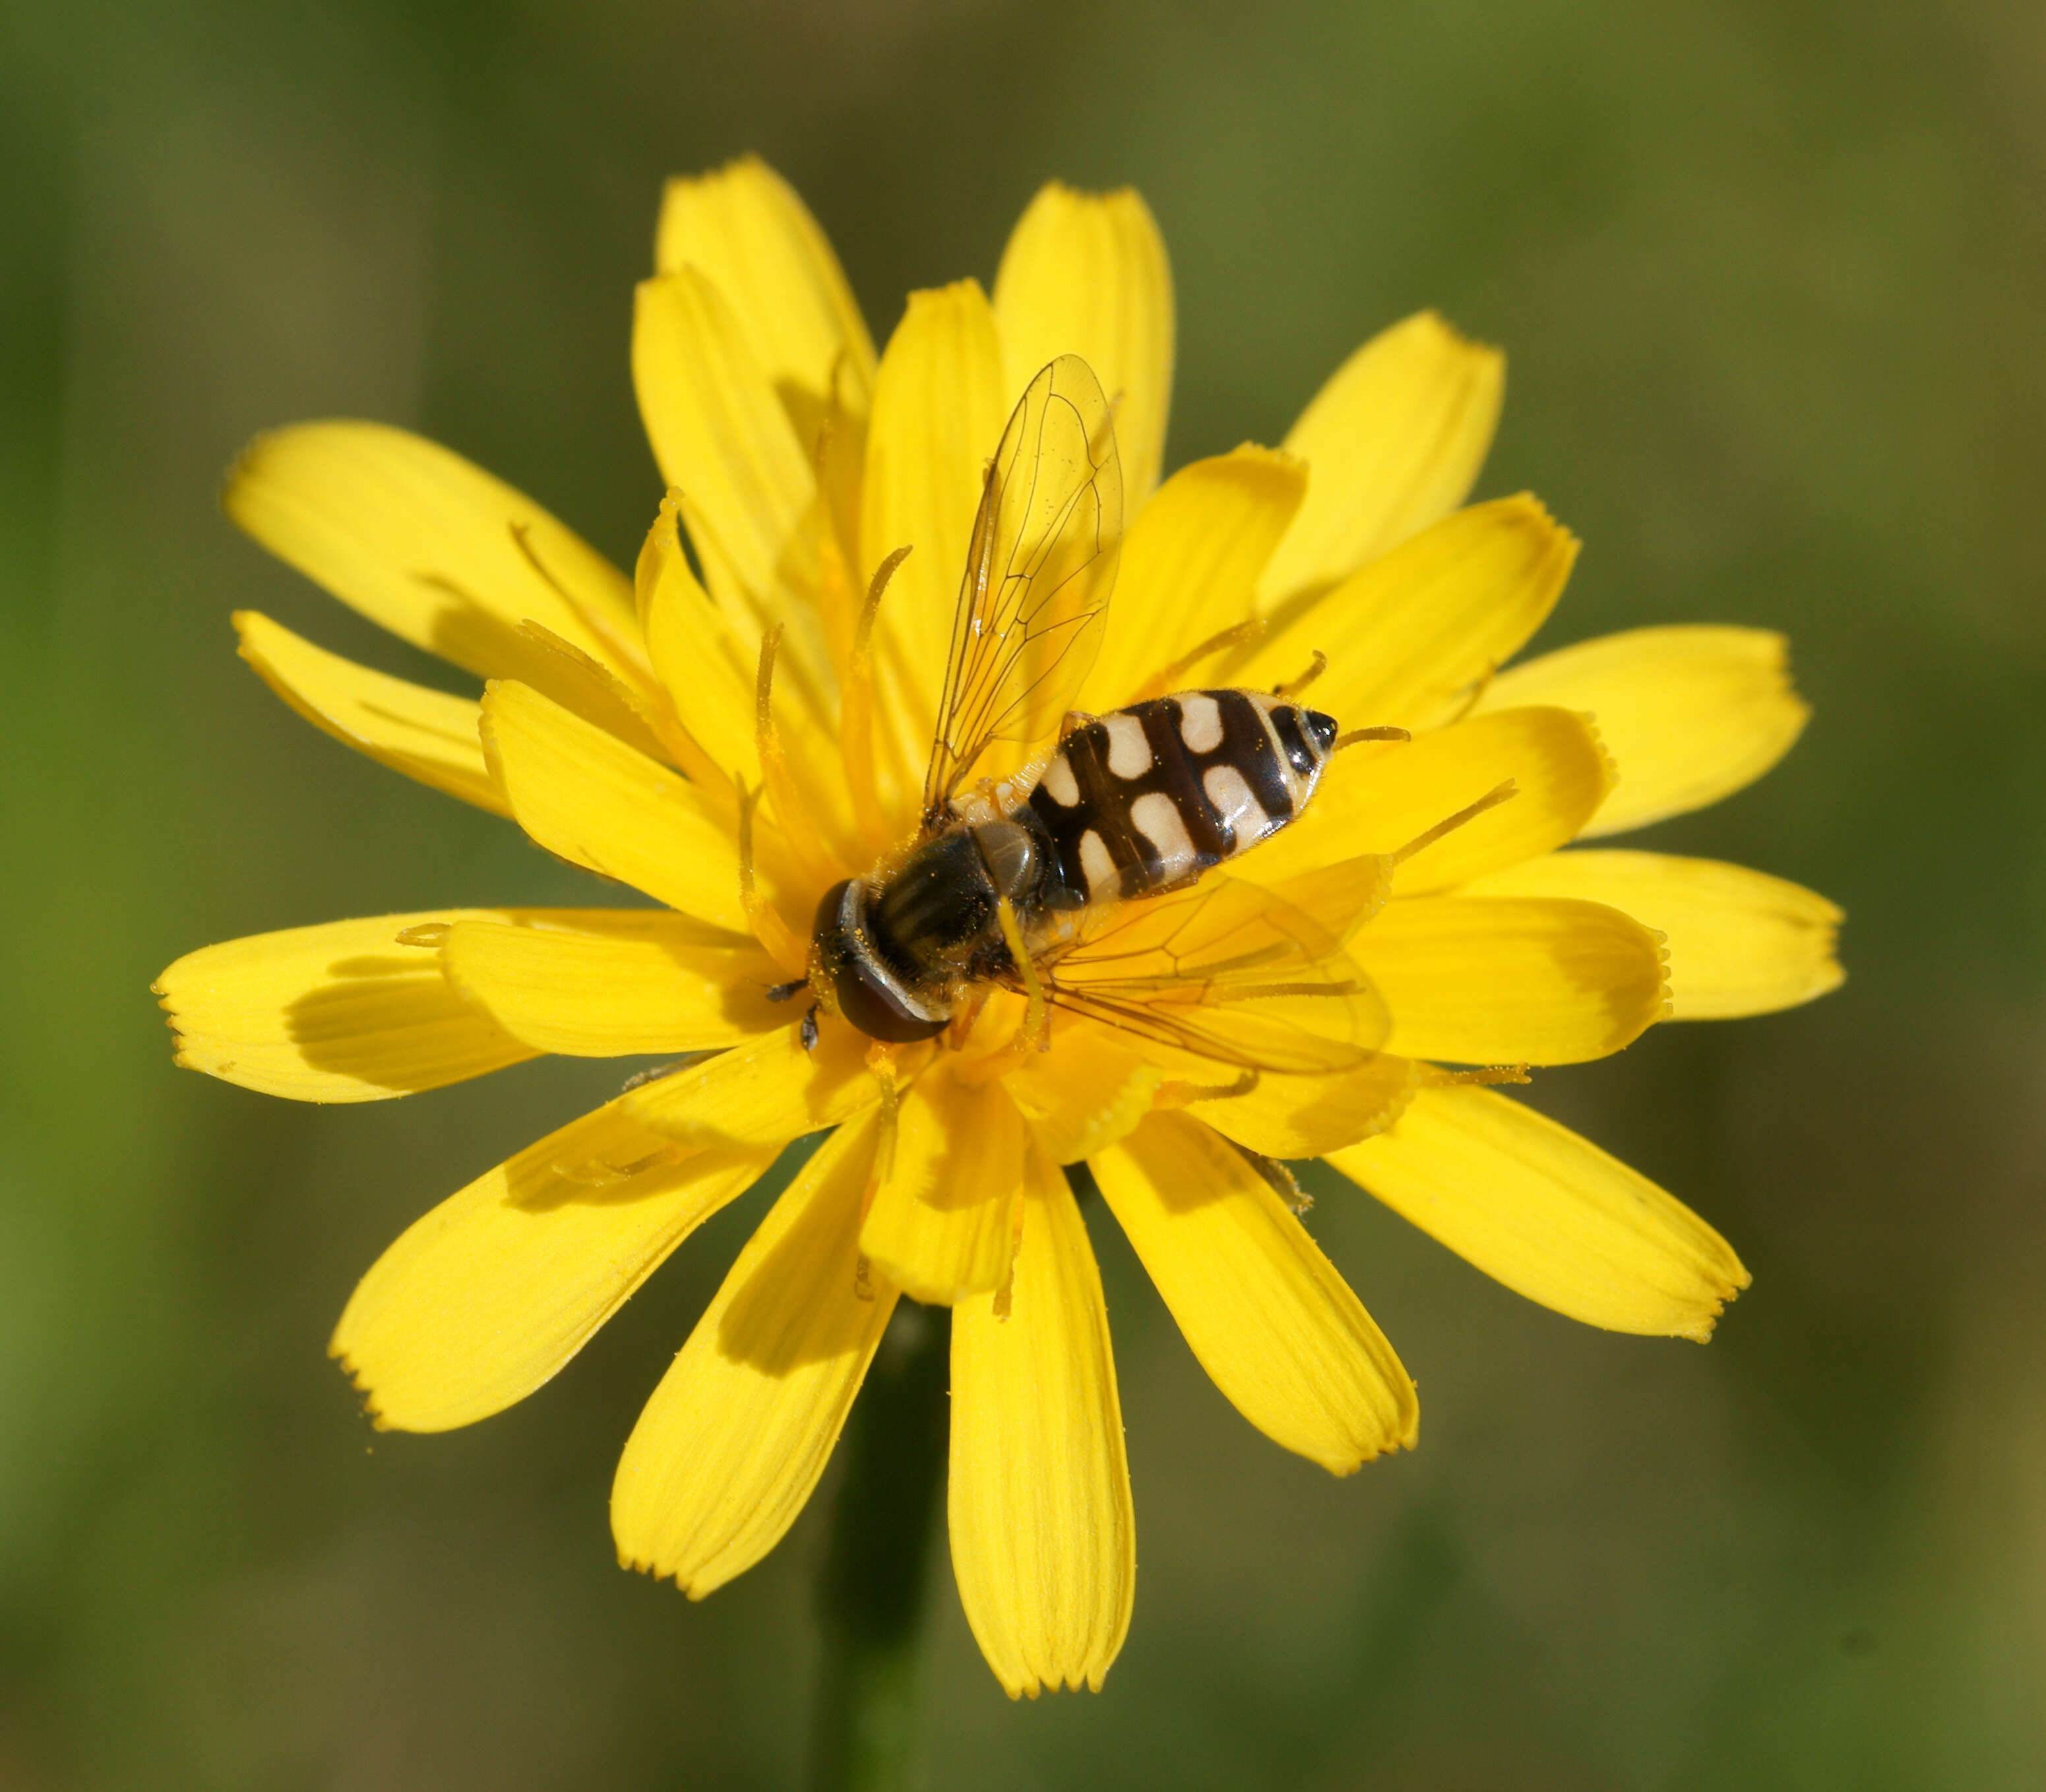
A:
<point x="339" y="1013"/>
<point x="426" y="734"/>
<point x="766" y="1092"/>
<point x="745" y="227"/>
<point x="1690" y="714"/>
<point x="1395" y="440"/>
<point x="1740" y="942"/>
<point x="431" y="547"/>
<point x="722" y="437"/>
<point x="943" y="1221"/>
<point x="1341" y="895"/>
<point x="733" y="1441"/>
<point x="708" y="665"/>
<point x="1309" y="1116"/>
<point x="938" y="413"/>
<point x="1086" y="1091"/>
<point x="601" y="983"/>
<point x="1514" y="979"/>
<point x="490" y="1295"/>
<point x="1409" y="635"/>
<point x="585" y="686"/>
<point x="589" y="798"/>
<point x="1042" y="1536"/>
<point x="1189" y="564"/>
<point x="1276" y="1327"/>
<point x="1549" y="1214"/>
<point x="1086" y="274"/>
<point x="1377" y="798"/>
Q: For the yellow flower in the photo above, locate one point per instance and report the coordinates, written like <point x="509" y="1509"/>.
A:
<point x="622" y="728"/>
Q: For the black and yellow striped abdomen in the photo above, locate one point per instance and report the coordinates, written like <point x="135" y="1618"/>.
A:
<point x="1149" y="798"/>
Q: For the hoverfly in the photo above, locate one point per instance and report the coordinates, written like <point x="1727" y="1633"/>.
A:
<point x="1066" y="856"/>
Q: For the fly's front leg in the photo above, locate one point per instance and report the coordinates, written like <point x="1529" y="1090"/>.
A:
<point x="782" y="992"/>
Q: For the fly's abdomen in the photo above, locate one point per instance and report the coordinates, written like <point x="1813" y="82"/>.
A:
<point x="1149" y="798"/>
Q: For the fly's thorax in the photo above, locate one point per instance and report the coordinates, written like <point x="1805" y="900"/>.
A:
<point x="938" y="899"/>
<point x="1150" y="797"/>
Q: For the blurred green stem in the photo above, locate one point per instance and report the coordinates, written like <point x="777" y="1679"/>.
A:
<point x="871" y="1594"/>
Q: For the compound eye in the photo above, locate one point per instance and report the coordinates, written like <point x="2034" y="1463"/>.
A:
<point x="1323" y="727"/>
<point x="867" y="999"/>
<point x="1286" y="723"/>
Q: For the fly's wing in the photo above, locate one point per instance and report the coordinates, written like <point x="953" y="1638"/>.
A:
<point x="1035" y="595"/>
<point x="1227" y="971"/>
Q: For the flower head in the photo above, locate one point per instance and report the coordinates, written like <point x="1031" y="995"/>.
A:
<point x="734" y="742"/>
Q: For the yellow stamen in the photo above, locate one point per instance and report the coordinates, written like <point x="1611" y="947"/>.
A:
<point x="628" y="652"/>
<point x="652" y="1073"/>
<point x="880" y="1065"/>
<point x="1356" y="735"/>
<point x="594" y="1172"/>
<point x="1262" y="992"/>
<point x="1476" y="695"/>
<point x="856" y="711"/>
<point x="1167" y="680"/>
<point x="966" y="1020"/>
<point x="837" y="455"/>
<point x="662" y="540"/>
<point x="1293" y="687"/>
<point x="988" y="1054"/>
<point x="1005" y="1296"/>
<point x="1485" y="1076"/>
<point x="766" y="919"/>
<point x="656" y="715"/>
<point x="799" y="827"/>
<point x="646" y="699"/>
<point x="1492" y="799"/>
<point x="1277" y="1177"/>
<point x="1178" y="1095"/>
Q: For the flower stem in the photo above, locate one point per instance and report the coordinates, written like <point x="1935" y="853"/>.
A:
<point x="870" y="1593"/>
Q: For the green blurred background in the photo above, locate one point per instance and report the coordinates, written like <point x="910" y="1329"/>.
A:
<point x="1772" y="277"/>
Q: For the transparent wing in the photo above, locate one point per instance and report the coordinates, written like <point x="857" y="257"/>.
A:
<point x="1227" y="971"/>
<point x="1035" y="595"/>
